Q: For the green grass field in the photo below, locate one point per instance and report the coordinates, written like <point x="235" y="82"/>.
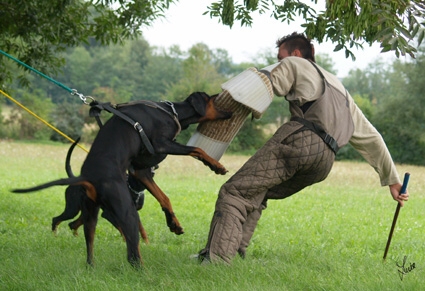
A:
<point x="331" y="236"/>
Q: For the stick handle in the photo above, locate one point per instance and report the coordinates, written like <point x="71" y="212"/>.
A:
<point x="405" y="182"/>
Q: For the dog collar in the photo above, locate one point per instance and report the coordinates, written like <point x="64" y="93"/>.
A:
<point x="175" y="115"/>
<point x="171" y="104"/>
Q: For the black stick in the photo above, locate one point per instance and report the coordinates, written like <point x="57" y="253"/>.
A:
<point x="402" y="191"/>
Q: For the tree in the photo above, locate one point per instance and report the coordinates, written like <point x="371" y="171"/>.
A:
<point x="67" y="118"/>
<point x="326" y="62"/>
<point x="372" y="82"/>
<point x="162" y="70"/>
<point x="392" y="23"/>
<point x="400" y="118"/>
<point x="199" y="74"/>
<point x="20" y="124"/>
<point x="36" y="32"/>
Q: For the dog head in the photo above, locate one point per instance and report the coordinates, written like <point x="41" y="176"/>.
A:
<point x="205" y="107"/>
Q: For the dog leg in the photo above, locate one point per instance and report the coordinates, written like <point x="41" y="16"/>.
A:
<point x="118" y="204"/>
<point x="143" y="233"/>
<point x="73" y="199"/>
<point x="214" y="165"/>
<point x="90" y="213"/>
<point x="172" y="221"/>
<point x="170" y="147"/>
<point x="74" y="225"/>
<point x="111" y="218"/>
<point x="129" y="223"/>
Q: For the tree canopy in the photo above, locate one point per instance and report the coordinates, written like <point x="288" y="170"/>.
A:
<point x="36" y="31"/>
<point x="347" y="23"/>
<point x="43" y="34"/>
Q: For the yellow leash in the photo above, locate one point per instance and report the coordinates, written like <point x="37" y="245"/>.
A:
<point x="42" y="120"/>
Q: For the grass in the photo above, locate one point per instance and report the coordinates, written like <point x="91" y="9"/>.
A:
<point x="330" y="236"/>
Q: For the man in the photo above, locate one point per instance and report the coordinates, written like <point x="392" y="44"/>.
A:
<point x="324" y="118"/>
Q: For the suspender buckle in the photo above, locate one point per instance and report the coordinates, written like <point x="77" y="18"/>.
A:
<point x="331" y="142"/>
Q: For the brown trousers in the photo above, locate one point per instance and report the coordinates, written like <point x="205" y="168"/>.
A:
<point x="291" y="160"/>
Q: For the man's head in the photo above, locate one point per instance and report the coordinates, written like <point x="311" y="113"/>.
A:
<point x="295" y="44"/>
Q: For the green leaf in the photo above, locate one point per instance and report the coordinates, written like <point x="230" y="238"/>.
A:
<point x="394" y="44"/>
<point x="386" y="48"/>
<point x="421" y="36"/>
<point x="415" y="30"/>
<point x="384" y="33"/>
<point x="338" y="47"/>
<point x="405" y="32"/>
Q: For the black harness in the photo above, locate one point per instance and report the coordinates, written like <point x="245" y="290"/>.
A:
<point x="96" y="108"/>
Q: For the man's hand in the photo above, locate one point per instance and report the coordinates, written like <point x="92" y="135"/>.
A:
<point x="395" y="192"/>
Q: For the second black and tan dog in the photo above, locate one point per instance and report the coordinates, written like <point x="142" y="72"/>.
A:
<point x="118" y="146"/>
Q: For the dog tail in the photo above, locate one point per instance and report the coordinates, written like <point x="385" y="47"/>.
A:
<point x="68" y="159"/>
<point x="59" y="182"/>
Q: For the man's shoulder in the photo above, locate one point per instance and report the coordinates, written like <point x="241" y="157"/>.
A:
<point x="296" y="60"/>
<point x="300" y="64"/>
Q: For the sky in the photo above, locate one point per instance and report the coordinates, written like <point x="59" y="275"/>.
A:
<point x="184" y="25"/>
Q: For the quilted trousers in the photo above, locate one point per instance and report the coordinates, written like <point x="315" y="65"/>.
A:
<point x="291" y="160"/>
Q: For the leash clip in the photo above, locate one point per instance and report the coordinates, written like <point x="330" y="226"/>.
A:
<point x="82" y="97"/>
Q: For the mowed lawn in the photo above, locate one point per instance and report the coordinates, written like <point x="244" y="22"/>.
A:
<point x="331" y="236"/>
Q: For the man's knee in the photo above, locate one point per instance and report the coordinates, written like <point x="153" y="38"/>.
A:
<point x="237" y="206"/>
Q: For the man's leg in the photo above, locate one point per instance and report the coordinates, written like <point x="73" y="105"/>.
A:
<point x="248" y="229"/>
<point x="225" y="230"/>
<point x="276" y="163"/>
<point x="239" y="198"/>
<point x="293" y="185"/>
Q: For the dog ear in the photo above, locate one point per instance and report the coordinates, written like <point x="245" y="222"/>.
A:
<point x="199" y="101"/>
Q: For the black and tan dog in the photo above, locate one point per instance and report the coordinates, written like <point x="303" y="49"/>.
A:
<point x="74" y="197"/>
<point x="118" y="146"/>
<point x="137" y="182"/>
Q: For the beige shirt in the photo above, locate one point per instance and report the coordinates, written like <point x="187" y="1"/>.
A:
<point x="297" y="80"/>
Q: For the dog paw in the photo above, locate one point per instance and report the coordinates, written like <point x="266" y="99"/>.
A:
<point x="177" y="230"/>
<point x="223" y="172"/>
<point x="220" y="170"/>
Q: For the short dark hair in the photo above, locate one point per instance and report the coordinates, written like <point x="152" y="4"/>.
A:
<point x="298" y="41"/>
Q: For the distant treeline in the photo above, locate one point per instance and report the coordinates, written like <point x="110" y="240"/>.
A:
<point x="390" y="95"/>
